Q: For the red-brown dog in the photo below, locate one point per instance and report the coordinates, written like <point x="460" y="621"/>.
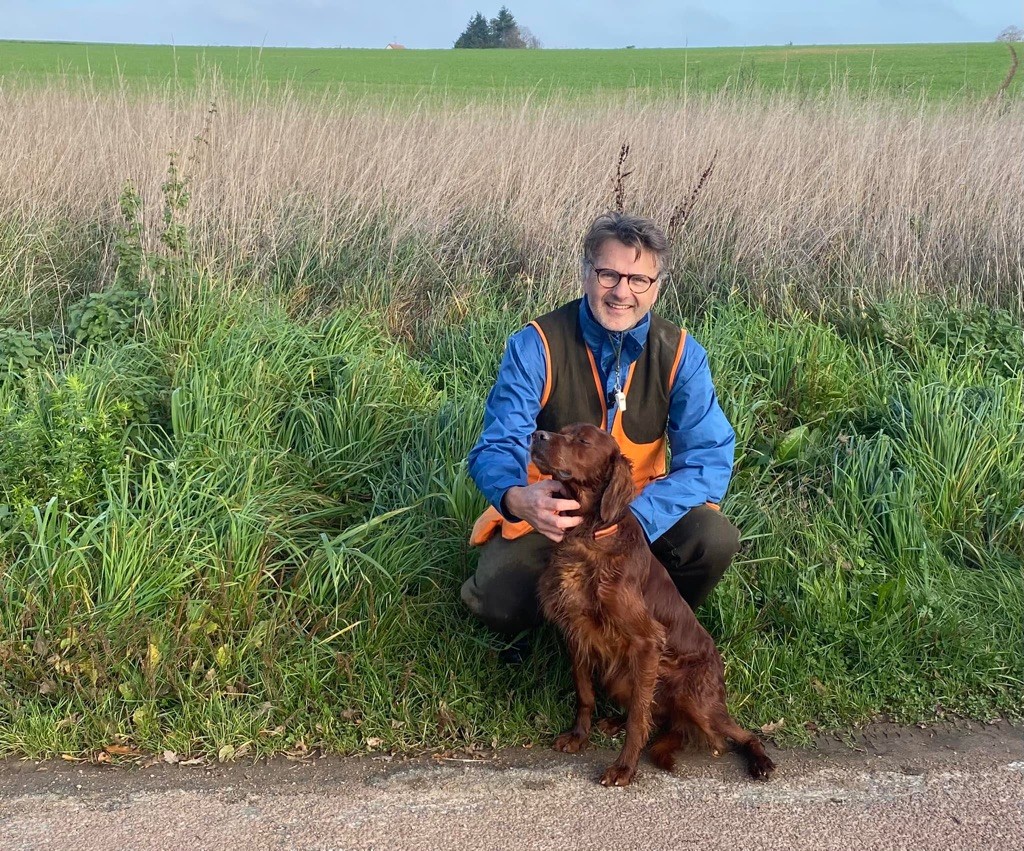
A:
<point x="622" y="617"/>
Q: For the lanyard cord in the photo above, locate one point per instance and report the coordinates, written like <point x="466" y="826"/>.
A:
<point x="617" y="342"/>
<point x="620" y="397"/>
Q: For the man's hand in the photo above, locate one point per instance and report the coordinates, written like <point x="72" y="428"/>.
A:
<point x="538" y="504"/>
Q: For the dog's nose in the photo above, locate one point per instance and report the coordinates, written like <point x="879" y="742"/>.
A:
<point x="539" y="436"/>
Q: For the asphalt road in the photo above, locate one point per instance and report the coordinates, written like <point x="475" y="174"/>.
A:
<point x="956" y="787"/>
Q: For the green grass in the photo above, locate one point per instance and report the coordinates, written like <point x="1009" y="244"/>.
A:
<point x="233" y="518"/>
<point x="927" y="70"/>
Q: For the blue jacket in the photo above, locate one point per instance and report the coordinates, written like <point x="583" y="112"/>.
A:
<point x="701" y="440"/>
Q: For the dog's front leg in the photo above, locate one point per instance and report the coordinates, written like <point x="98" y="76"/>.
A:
<point x="644" y="656"/>
<point x="577" y="739"/>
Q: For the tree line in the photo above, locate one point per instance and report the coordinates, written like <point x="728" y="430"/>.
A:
<point x="501" y="31"/>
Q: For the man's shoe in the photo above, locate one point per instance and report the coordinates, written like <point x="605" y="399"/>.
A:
<point x="517" y="652"/>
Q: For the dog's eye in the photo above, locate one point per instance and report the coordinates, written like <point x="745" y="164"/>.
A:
<point x="582" y="442"/>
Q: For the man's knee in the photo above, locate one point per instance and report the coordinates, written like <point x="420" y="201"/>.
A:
<point x="702" y="534"/>
<point x="697" y="551"/>
<point x="505" y="607"/>
<point x="721" y="542"/>
<point x="503" y="591"/>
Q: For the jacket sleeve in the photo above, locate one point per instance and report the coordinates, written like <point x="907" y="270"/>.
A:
<point x="702" y="443"/>
<point x="498" y="460"/>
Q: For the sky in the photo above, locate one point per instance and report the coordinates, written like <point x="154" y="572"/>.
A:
<point x="557" y="23"/>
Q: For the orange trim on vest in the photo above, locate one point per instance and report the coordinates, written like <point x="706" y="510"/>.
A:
<point x="491" y="520"/>
<point x="604" y="533"/>
<point x="547" y="360"/>
<point x="675" y="363"/>
<point x="648" y="459"/>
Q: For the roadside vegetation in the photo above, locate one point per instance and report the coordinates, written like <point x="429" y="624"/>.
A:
<point x="237" y="385"/>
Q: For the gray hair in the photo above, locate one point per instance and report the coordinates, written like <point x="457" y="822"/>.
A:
<point x="636" y="231"/>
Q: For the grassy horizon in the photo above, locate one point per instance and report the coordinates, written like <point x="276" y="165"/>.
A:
<point x="932" y="71"/>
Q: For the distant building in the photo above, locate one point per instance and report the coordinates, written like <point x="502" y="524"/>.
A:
<point x="395" y="47"/>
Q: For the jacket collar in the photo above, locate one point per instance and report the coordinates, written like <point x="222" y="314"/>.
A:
<point x="596" y="336"/>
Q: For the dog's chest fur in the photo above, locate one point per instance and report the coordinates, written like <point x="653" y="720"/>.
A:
<point x="579" y="593"/>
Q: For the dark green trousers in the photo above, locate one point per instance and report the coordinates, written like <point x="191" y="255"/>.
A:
<point x="503" y="591"/>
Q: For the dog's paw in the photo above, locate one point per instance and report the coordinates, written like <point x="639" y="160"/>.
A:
<point x="618" y="775"/>
<point x="571" y="742"/>
<point x="611" y="727"/>
<point x="761" y="767"/>
<point x="664" y="758"/>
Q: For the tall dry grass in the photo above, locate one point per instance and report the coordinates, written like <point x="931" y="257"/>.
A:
<point x="812" y="201"/>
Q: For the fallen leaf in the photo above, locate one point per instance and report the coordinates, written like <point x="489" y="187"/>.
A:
<point x="120" y="750"/>
<point x="300" y="751"/>
<point x="374" y="742"/>
<point x="818" y="685"/>
<point x="768" y="729"/>
<point x="445" y="719"/>
<point x="197" y="760"/>
<point x="171" y="758"/>
<point x="225" y="753"/>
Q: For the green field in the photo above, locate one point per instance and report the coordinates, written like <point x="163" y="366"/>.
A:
<point x="930" y="70"/>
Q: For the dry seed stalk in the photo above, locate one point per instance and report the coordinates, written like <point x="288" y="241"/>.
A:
<point x="1003" y="86"/>
<point x="620" y="178"/>
<point x="682" y="211"/>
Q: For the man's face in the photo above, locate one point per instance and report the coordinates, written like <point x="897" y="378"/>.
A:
<point x="619" y="308"/>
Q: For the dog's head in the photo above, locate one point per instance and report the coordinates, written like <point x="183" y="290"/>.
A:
<point x="588" y="463"/>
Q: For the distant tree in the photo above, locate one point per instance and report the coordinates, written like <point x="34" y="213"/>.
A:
<point x="530" y="41"/>
<point x="476" y="34"/>
<point x="501" y="31"/>
<point x="1011" y="34"/>
<point x="505" y="30"/>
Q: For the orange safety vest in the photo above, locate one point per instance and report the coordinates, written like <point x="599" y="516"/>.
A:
<point x="570" y="397"/>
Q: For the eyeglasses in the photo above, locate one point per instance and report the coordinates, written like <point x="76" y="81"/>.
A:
<point x="609" y="279"/>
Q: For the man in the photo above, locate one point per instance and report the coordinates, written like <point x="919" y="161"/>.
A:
<point x="604" y="359"/>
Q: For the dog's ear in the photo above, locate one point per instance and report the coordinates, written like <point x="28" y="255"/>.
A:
<point x="620" y="491"/>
